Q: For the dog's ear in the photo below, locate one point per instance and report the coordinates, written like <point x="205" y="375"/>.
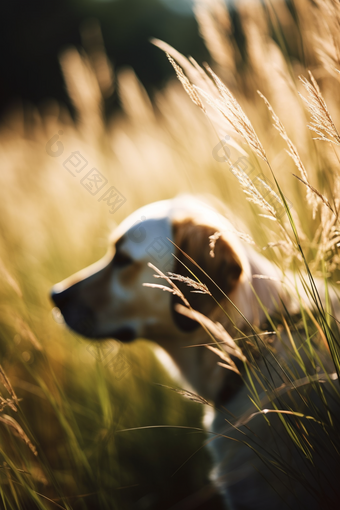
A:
<point x="224" y="268"/>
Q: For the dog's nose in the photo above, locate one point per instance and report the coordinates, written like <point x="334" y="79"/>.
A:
<point x="77" y="315"/>
<point x="54" y="296"/>
<point x="59" y="298"/>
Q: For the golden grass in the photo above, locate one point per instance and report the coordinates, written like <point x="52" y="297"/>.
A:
<point x="51" y="226"/>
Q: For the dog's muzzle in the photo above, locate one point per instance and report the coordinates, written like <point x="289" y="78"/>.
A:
<point x="77" y="316"/>
<point x="81" y="319"/>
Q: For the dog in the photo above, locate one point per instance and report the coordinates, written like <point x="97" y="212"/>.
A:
<point x="271" y="448"/>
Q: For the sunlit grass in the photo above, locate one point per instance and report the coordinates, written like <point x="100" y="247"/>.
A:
<point x="71" y="406"/>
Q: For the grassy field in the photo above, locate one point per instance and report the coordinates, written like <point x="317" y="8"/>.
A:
<point x="64" y="400"/>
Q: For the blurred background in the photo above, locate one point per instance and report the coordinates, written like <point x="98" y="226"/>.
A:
<point x="82" y="84"/>
<point x="33" y="34"/>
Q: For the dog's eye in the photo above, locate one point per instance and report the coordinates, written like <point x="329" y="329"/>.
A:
<point x="122" y="259"/>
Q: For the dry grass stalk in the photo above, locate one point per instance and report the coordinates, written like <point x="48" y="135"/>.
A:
<point x="26" y="332"/>
<point x="286" y="247"/>
<point x="173" y="287"/>
<point x="7" y="402"/>
<point x="93" y="42"/>
<point x="265" y="277"/>
<point x="214" y="237"/>
<point x="188" y="394"/>
<point x="204" y="81"/>
<point x="293" y="153"/>
<point x="227" y="361"/>
<point x="160" y="287"/>
<point x="328" y="54"/>
<point x="80" y="80"/>
<point x="322" y="123"/>
<point x="253" y="194"/>
<point x="12" y="404"/>
<point x="199" y="287"/>
<point x="191" y="70"/>
<point x="256" y="34"/>
<point x="6" y="382"/>
<point x="14" y="425"/>
<point x="227" y="344"/>
<point x="326" y="36"/>
<point x="244" y="421"/>
<point x="317" y="193"/>
<point x="83" y="89"/>
<point x="232" y="111"/>
<point x="134" y="98"/>
<point x="188" y="87"/>
<point x="245" y="237"/>
<point x="216" y="29"/>
<point x="326" y="239"/>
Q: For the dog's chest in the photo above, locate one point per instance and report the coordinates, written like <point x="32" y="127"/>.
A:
<point x="256" y="462"/>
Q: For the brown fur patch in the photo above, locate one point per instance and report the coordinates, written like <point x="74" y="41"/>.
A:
<point x="224" y="269"/>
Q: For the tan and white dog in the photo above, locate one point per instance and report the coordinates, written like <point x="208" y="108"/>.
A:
<point x="259" y="460"/>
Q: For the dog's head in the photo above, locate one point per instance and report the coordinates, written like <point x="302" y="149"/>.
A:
<point x="108" y="299"/>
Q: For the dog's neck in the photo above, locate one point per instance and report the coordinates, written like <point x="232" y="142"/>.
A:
<point x="198" y="364"/>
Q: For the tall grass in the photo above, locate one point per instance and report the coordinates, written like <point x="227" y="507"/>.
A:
<point x="61" y="406"/>
<point x="317" y="447"/>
